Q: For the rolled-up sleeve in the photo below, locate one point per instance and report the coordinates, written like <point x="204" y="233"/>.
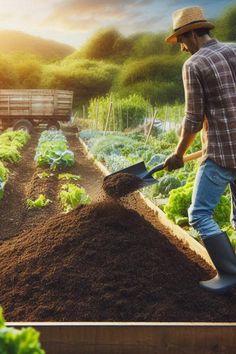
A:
<point x="194" y="100"/>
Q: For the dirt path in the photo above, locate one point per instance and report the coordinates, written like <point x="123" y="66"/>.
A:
<point x="91" y="177"/>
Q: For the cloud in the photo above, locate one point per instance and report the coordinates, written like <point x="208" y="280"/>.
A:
<point x="75" y="15"/>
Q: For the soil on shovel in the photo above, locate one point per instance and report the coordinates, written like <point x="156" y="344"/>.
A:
<point x="121" y="184"/>
<point x="104" y="262"/>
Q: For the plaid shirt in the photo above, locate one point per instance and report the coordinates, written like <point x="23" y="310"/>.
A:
<point x="209" y="78"/>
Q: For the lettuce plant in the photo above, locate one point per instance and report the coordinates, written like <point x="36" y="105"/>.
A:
<point x="3" y="178"/>
<point x="53" y="150"/>
<point x="40" y="202"/>
<point x="68" y="176"/>
<point x="18" y="341"/>
<point x="72" y="196"/>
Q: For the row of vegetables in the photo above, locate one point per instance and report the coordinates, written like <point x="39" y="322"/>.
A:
<point x="11" y="143"/>
<point x="173" y="190"/>
<point x="12" y="340"/>
<point x="54" y="156"/>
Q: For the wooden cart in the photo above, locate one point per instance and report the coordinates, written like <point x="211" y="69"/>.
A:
<point x="25" y="109"/>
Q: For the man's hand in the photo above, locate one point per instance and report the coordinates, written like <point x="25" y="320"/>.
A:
<point x="173" y="162"/>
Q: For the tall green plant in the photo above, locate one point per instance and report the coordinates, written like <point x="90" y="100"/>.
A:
<point x="86" y="78"/>
<point x="117" y="114"/>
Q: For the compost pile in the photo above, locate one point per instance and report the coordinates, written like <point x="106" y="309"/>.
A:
<point x="103" y="262"/>
<point x="121" y="184"/>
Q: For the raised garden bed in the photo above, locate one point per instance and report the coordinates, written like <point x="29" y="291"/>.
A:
<point x="107" y="261"/>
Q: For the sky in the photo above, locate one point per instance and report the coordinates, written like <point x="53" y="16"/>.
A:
<point x="74" y="21"/>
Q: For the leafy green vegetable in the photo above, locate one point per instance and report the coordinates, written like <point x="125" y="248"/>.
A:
<point x="3" y="172"/>
<point x="156" y="160"/>
<point x="44" y="174"/>
<point x="111" y="144"/>
<point x="53" y="150"/>
<point x="68" y="176"/>
<point x="3" y="178"/>
<point x="10" y="144"/>
<point x="231" y="234"/>
<point x="115" y="163"/>
<point x="71" y="196"/>
<point x="179" y="201"/>
<point x="165" y="184"/>
<point x="40" y="202"/>
<point x="222" y="212"/>
<point x="17" y="138"/>
<point x="18" y="341"/>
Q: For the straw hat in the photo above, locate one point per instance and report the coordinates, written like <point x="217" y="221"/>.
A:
<point x="187" y="19"/>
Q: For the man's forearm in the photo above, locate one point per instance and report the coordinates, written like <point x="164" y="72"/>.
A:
<point x="185" y="141"/>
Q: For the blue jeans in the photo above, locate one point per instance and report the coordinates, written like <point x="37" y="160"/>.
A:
<point x="210" y="184"/>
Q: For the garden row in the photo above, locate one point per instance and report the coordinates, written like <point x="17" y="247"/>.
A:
<point x="173" y="190"/>
<point x="11" y="143"/>
<point x="52" y="155"/>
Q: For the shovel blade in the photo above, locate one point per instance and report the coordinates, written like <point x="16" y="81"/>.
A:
<point x="139" y="170"/>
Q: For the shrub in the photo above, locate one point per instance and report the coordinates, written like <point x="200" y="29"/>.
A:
<point x="8" y="75"/>
<point x="87" y="79"/>
<point x="125" y="113"/>
<point x="107" y="43"/>
<point x="155" y="68"/>
<point x="155" y="92"/>
<point x="28" y="70"/>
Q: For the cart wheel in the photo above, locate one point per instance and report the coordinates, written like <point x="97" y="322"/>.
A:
<point x="25" y="125"/>
<point x="53" y="126"/>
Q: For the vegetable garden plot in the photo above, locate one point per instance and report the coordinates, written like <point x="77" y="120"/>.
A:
<point x="11" y="142"/>
<point x="27" y="181"/>
<point x="173" y="190"/>
<point x="12" y="204"/>
<point x="104" y="262"/>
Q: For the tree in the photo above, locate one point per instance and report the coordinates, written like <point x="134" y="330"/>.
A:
<point x="226" y="26"/>
<point x="103" y="45"/>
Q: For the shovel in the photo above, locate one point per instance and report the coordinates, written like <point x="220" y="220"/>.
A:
<point x="139" y="170"/>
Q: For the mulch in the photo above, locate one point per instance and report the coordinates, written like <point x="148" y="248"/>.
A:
<point x="105" y="262"/>
<point x="121" y="184"/>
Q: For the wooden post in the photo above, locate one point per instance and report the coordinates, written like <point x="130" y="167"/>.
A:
<point x="113" y="118"/>
<point x="108" y="117"/>
<point x="96" y="116"/>
<point x="151" y="125"/>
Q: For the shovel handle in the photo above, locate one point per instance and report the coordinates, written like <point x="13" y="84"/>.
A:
<point x="189" y="157"/>
<point x="193" y="156"/>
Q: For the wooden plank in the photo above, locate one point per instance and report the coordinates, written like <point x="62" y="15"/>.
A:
<point x="34" y="91"/>
<point x="62" y="105"/>
<point x="122" y="338"/>
<point x="178" y="232"/>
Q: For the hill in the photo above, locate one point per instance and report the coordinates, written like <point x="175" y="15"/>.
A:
<point x="15" y="41"/>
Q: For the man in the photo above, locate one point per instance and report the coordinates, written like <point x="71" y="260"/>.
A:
<point x="209" y="78"/>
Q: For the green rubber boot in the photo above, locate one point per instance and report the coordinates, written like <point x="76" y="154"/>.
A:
<point x="224" y="259"/>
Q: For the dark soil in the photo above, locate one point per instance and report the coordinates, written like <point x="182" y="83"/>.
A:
<point x="121" y="184"/>
<point x="13" y="203"/>
<point x="24" y="183"/>
<point x="104" y="262"/>
<point x="108" y="261"/>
